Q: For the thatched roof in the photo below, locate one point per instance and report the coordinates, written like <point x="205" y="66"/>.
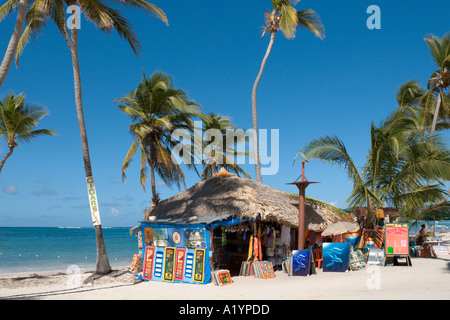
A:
<point x="245" y="198"/>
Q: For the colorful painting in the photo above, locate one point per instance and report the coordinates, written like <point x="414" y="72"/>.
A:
<point x="160" y="237"/>
<point x="199" y="265"/>
<point x="148" y="236"/>
<point x="336" y="256"/>
<point x="396" y="239"/>
<point x="195" y="238"/>
<point x="179" y="264"/>
<point x="169" y="264"/>
<point x="149" y="259"/>
<point x="221" y="277"/>
<point x="136" y="265"/>
<point x="300" y="263"/>
<point x="140" y="240"/>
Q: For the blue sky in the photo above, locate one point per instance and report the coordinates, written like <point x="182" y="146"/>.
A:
<point x="213" y="50"/>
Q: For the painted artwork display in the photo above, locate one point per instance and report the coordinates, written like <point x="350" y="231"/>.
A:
<point x="396" y="239"/>
<point x="263" y="270"/>
<point x="199" y="265"/>
<point x="169" y="264"/>
<point x="179" y="263"/>
<point x="136" y="265"/>
<point x="149" y="259"/>
<point x="140" y="240"/>
<point x="300" y="263"/>
<point x="336" y="256"/>
<point x="148" y="236"/>
<point x="175" y="254"/>
<point x="221" y="277"/>
<point x="195" y="238"/>
<point x="160" y="237"/>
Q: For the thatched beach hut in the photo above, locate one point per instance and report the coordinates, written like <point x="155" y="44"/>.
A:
<point x="215" y="225"/>
<point x="226" y="194"/>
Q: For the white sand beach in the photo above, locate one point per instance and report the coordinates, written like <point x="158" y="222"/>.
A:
<point x="427" y="279"/>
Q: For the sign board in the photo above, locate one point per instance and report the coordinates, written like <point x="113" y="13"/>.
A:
<point x="93" y="203"/>
<point x="179" y="263"/>
<point x="149" y="258"/>
<point x="396" y="241"/>
<point x="169" y="264"/>
<point x="441" y="250"/>
<point x="199" y="265"/>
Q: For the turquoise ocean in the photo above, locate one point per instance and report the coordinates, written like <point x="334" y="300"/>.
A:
<point x="33" y="249"/>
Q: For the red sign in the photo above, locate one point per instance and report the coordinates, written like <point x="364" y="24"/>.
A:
<point x="396" y="239"/>
<point x="149" y="258"/>
<point x="179" y="263"/>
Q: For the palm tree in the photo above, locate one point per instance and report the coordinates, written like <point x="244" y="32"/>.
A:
<point x="284" y="17"/>
<point x="17" y="122"/>
<point x="5" y="10"/>
<point x="156" y="109"/>
<point x="399" y="170"/>
<point x="440" y="79"/>
<point x="219" y="150"/>
<point x="106" y="19"/>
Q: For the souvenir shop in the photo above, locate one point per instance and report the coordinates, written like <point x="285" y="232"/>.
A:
<point x="189" y="250"/>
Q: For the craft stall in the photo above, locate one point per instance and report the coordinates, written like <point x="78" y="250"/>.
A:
<point x="179" y="250"/>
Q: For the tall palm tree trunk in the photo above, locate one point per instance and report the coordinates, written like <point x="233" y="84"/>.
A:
<point x="11" y="149"/>
<point x="254" y="109"/>
<point x="14" y="41"/>
<point x="155" y="196"/>
<point x="436" y="114"/>
<point x="102" y="266"/>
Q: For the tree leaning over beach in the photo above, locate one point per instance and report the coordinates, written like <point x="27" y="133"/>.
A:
<point x="10" y="53"/>
<point x="106" y="19"/>
<point x="17" y="122"/>
<point x="157" y="109"/>
<point x="286" y="18"/>
<point x="440" y="79"/>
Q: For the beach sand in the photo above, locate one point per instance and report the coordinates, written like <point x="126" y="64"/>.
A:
<point x="427" y="279"/>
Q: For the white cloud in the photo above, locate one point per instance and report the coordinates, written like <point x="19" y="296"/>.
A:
<point x="10" y="189"/>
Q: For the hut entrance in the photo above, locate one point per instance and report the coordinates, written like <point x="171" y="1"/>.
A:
<point x="234" y="244"/>
<point x="231" y="245"/>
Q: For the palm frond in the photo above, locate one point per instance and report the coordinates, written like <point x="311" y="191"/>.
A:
<point x="310" y="20"/>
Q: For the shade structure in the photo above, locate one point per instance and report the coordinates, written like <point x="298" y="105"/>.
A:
<point x="339" y="228"/>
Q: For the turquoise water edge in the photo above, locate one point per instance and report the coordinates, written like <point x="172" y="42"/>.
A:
<point x="34" y="249"/>
<point x="38" y="249"/>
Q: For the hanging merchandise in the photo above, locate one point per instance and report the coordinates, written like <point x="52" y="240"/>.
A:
<point x="286" y="235"/>
<point x="224" y="238"/>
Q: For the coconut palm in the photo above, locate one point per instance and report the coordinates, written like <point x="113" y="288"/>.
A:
<point x="17" y="122"/>
<point x="400" y="167"/>
<point x="218" y="151"/>
<point x="5" y="10"/>
<point x="286" y="18"/>
<point x="106" y="19"/>
<point x="156" y="109"/>
<point x="440" y="79"/>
